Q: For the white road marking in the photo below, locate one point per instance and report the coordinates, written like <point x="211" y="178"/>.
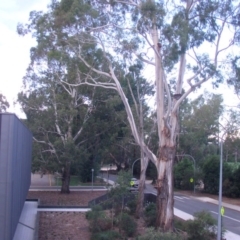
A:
<point x="227" y="217"/>
<point x="178" y="198"/>
<point x="186" y="197"/>
<point x="228" y="235"/>
<point x="181" y="197"/>
<point x="182" y="215"/>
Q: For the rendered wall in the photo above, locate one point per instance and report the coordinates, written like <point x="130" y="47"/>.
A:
<point x="15" y="171"/>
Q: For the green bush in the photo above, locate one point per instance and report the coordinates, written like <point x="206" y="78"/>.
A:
<point x="180" y="224"/>
<point x="150" y="215"/>
<point x="132" y="204"/>
<point x="183" y="172"/>
<point x="95" y="212"/>
<point x="120" y="192"/>
<point x="152" y="234"/>
<point x="98" y="221"/>
<point x="231" y="185"/>
<point x="202" y="227"/>
<point x="127" y="224"/>
<point x="108" y="235"/>
<point x="211" y="169"/>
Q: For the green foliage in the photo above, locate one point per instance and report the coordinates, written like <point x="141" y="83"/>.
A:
<point x="211" y="174"/>
<point x="233" y="165"/>
<point x="153" y="234"/>
<point x="4" y="105"/>
<point x="236" y="178"/>
<point x="78" y="42"/>
<point x="200" y="125"/>
<point x="84" y="170"/>
<point x="132" y="205"/>
<point x="98" y="221"/>
<point x="127" y="224"/>
<point x="118" y="194"/>
<point x="107" y="235"/>
<point x="96" y="210"/>
<point x="150" y="215"/>
<point x="202" y="227"/>
<point x="234" y="78"/>
<point x="231" y="185"/>
<point x="180" y="224"/>
<point x="183" y="171"/>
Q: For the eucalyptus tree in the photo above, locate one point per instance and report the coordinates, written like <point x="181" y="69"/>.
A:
<point x="180" y="43"/>
<point x="57" y="112"/>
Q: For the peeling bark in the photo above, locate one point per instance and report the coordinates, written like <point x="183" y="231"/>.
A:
<point x="164" y="186"/>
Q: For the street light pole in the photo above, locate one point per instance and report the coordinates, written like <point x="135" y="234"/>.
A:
<point x="194" y="168"/>
<point x="92" y="178"/>
<point x="134" y="163"/>
<point x="220" y="196"/>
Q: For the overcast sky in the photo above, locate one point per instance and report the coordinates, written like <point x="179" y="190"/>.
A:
<point x="14" y="50"/>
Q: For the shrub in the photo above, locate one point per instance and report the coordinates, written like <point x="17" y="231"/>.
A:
<point x="108" y="235"/>
<point x="202" y="227"/>
<point x="183" y="171"/>
<point x="119" y="194"/>
<point x="150" y="215"/>
<point x="180" y="224"/>
<point x="211" y="174"/>
<point x="96" y="210"/>
<point x="98" y="221"/>
<point x="127" y="224"/>
<point x="132" y="204"/>
<point x="231" y="185"/>
<point x="152" y="234"/>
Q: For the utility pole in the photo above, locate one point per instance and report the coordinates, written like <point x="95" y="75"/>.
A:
<point x="92" y="178"/>
<point x="219" y="233"/>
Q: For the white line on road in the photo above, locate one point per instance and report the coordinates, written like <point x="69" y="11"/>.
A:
<point x="180" y="199"/>
<point x="227" y="217"/>
<point x="182" y="215"/>
<point x="185" y="216"/>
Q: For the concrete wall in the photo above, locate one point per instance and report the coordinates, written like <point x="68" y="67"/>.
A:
<point x="15" y="171"/>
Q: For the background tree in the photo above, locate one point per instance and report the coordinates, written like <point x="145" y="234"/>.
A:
<point x="211" y="174"/>
<point x="183" y="172"/>
<point x="4" y="105"/>
<point x="200" y="128"/>
<point x="56" y="112"/>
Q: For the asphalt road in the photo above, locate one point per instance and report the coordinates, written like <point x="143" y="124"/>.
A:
<point x="231" y="218"/>
<point x="190" y="205"/>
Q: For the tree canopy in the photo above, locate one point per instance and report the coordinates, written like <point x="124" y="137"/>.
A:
<point x="4" y="105"/>
<point x="181" y="43"/>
